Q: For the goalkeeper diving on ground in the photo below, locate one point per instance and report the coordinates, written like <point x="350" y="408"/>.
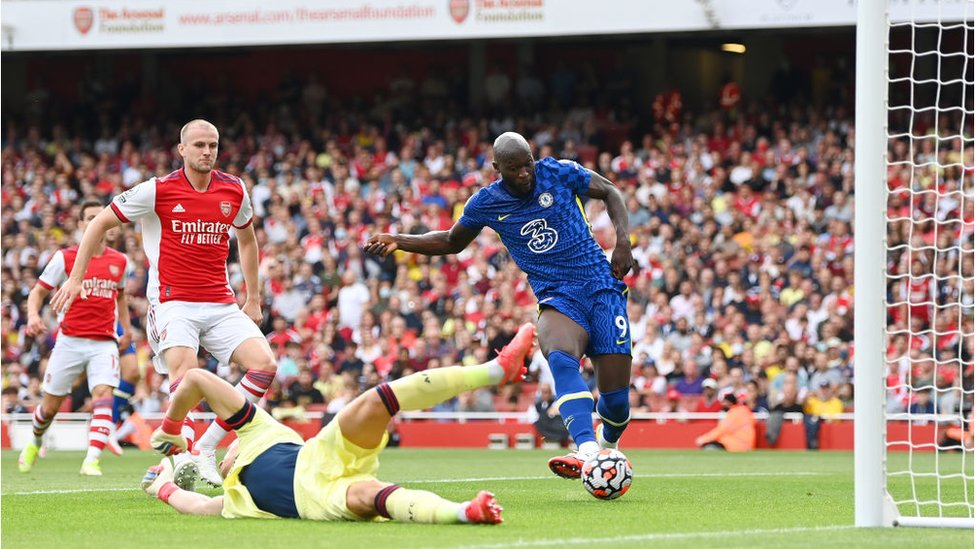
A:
<point x="269" y="472"/>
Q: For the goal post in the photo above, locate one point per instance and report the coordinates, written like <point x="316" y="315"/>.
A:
<point x="913" y="264"/>
<point x="870" y="146"/>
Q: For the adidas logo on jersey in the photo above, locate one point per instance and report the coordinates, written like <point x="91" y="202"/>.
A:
<point x="179" y="209"/>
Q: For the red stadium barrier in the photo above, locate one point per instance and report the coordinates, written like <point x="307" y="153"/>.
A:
<point x="650" y="434"/>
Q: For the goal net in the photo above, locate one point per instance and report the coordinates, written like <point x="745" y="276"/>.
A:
<point x="927" y="205"/>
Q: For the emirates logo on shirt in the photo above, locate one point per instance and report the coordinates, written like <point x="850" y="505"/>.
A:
<point x="96" y="287"/>
<point x="200" y="232"/>
<point x="225" y="208"/>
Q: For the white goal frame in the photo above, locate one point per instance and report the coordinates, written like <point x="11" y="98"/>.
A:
<point x="873" y="506"/>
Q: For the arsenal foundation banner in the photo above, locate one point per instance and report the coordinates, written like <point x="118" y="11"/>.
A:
<point x="148" y="24"/>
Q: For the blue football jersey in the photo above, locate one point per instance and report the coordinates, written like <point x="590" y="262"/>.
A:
<point x="547" y="233"/>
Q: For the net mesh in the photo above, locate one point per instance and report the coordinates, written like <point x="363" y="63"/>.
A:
<point x="930" y="209"/>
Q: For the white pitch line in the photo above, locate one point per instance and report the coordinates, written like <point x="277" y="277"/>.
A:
<point x="661" y="475"/>
<point x="76" y="491"/>
<point x="461" y="480"/>
<point x="559" y="542"/>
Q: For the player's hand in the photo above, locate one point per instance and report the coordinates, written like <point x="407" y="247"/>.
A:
<point x="125" y="339"/>
<point x="35" y="326"/>
<point x="253" y="311"/>
<point x="166" y="444"/>
<point x="622" y="261"/>
<point x="380" y="244"/>
<point x="66" y="294"/>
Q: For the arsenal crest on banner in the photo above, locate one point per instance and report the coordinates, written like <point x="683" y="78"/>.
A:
<point x="84" y="18"/>
<point x="459" y="9"/>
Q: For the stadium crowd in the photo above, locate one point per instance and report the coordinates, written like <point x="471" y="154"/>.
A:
<point x="741" y="220"/>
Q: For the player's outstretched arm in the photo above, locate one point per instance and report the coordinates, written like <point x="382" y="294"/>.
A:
<point x="432" y="243"/>
<point x="94" y="233"/>
<point x="195" y="503"/>
<point x="622" y="259"/>
<point x="35" y="326"/>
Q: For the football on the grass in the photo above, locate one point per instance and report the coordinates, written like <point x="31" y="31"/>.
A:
<point x="607" y="475"/>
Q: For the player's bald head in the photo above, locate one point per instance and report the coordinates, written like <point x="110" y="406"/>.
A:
<point x="195" y="124"/>
<point x="510" y="144"/>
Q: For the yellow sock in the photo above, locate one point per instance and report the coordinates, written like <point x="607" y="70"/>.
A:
<point x="421" y="506"/>
<point x="424" y="389"/>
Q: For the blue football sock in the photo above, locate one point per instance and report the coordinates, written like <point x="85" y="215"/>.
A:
<point x="573" y="397"/>
<point x="614" y="410"/>
<point x="120" y="398"/>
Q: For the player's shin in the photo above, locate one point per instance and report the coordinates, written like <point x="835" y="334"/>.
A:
<point x="403" y="504"/>
<point x="41" y="421"/>
<point x="614" y="411"/>
<point x="120" y="398"/>
<point x="574" y="400"/>
<point x="100" y="429"/>
<point x="425" y="389"/>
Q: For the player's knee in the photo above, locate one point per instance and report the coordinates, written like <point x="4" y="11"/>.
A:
<point x="265" y="362"/>
<point x="373" y="406"/>
<point x="179" y="368"/>
<point x="361" y="497"/>
<point x="195" y="375"/>
<point x="259" y="357"/>
<point x="101" y="391"/>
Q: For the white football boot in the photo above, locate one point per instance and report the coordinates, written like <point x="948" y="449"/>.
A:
<point x="185" y="471"/>
<point x="206" y="462"/>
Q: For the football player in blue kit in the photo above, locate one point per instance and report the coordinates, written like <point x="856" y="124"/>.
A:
<point x="536" y="207"/>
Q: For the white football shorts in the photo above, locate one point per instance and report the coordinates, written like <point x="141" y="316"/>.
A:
<point x="73" y="355"/>
<point x="219" y="327"/>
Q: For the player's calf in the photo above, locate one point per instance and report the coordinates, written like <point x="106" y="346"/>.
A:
<point x="407" y="505"/>
<point x="614" y="411"/>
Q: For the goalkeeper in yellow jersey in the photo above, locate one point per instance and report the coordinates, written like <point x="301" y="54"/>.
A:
<point x="269" y="472"/>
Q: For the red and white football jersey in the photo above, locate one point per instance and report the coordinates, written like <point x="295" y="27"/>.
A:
<point x="186" y="234"/>
<point x="95" y="317"/>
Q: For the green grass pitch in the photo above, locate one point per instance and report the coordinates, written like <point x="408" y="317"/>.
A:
<point x="678" y="499"/>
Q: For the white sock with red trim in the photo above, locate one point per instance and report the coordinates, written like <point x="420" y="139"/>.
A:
<point x="100" y="428"/>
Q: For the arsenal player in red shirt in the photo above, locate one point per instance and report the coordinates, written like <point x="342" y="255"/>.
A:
<point x="86" y="341"/>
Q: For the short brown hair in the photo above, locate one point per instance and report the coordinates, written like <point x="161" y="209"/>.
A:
<point x="88" y="204"/>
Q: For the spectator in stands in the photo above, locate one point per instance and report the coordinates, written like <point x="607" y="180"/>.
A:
<point x="545" y="416"/>
<point x="789" y="402"/>
<point x="709" y="402"/>
<point x="736" y="432"/>
<point x="11" y="402"/>
<point x="691" y="382"/>
<point x="303" y="391"/>
<point x="820" y="406"/>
